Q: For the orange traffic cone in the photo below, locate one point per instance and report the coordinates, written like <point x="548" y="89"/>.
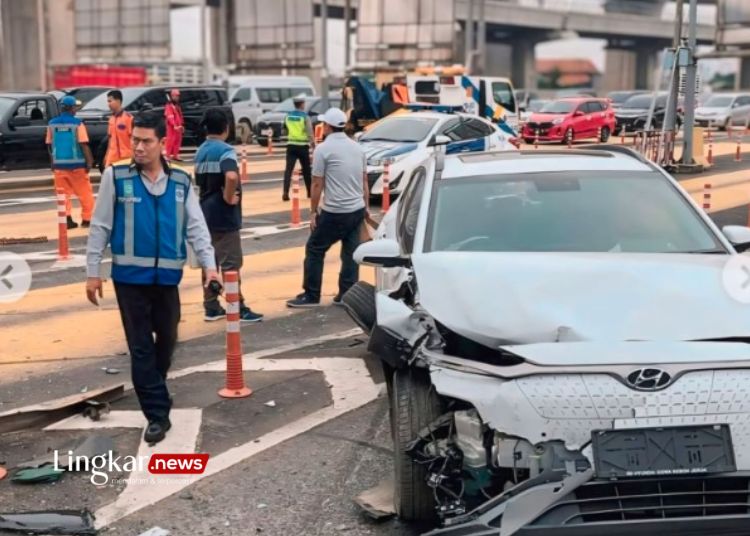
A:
<point x="243" y="166"/>
<point x="62" y="227"/>
<point x="386" y="203"/>
<point x="235" y="379"/>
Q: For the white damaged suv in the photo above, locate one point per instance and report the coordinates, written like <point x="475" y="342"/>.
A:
<point x="564" y="351"/>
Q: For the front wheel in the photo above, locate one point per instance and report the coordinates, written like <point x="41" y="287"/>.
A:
<point x="414" y="405"/>
<point x="604" y="135"/>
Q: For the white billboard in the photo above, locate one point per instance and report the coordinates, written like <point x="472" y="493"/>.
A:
<point x="405" y="31"/>
<point x="271" y="33"/>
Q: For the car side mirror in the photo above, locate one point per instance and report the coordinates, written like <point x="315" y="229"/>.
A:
<point x="382" y="253"/>
<point x="20" y="122"/>
<point x="738" y="236"/>
<point x="578" y="113"/>
<point x="439" y="139"/>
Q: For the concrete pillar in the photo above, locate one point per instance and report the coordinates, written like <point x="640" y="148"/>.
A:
<point x="20" y="51"/>
<point x="523" y="70"/>
<point x="744" y="74"/>
<point x="619" y="69"/>
<point x="647" y="63"/>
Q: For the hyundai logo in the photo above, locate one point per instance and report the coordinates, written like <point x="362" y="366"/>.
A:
<point x="649" y="379"/>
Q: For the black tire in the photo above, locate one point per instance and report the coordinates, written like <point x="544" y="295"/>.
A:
<point x="414" y="405"/>
<point x="604" y="135"/>
<point x="725" y="126"/>
<point x="359" y="302"/>
<point x="569" y="136"/>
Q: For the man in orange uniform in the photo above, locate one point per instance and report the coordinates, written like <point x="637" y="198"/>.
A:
<point x="175" y="125"/>
<point x="120" y="130"/>
<point x="68" y="143"/>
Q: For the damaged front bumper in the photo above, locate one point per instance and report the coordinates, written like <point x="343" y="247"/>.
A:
<point x="580" y="505"/>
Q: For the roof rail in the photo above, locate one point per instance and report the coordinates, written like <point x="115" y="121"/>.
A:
<point x="429" y="107"/>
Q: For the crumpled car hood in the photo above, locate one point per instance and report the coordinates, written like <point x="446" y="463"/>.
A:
<point x="500" y="299"/>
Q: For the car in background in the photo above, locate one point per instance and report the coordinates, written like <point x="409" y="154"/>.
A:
<point x="532" y="107"/>
<point x="575" y="92"/>
<point x="195" y="101"/>
<point x="570" y="119"/>
<point x="253" y="96"/>
<point x="402" y="141"/>
<point x="273" y="121"/>
<point x="548" y="371"/>
<point x="524" y="97"/>
<point x="724" y="110"/>
<point x="618" y="98"/>
<point x="83" y="94"/>
<point x="23" y="128"/>
<point x="632" y="116"/>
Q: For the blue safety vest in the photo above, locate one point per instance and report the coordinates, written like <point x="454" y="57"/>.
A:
<point x="66" y="150"/>
<point x="149" y="231"/>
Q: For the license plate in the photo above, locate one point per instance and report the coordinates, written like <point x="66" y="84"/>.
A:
<point x="668" y="451"/>
<point x="267" y="132"/>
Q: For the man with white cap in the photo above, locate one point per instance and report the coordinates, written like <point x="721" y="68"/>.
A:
<point x="339" y="176"/>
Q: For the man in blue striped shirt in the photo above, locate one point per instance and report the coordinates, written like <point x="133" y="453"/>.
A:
<point x="217" y="176"/>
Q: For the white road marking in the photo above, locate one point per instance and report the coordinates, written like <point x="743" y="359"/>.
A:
<point x="27" y="201"/>
<point x="270" y="230"/>
<point x="114" y="419"/>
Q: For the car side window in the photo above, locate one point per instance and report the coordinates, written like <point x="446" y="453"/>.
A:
<point x="743" y="101"/>
<point x="34" y="110"/>
<point x="448" y="129"/>
<point x="467" y="129"/>
<point x="409" y="215"/>
<point x="242" y="94"/>
<point x="483" y="128"/>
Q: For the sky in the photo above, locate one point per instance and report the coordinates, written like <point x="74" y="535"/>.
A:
<point x="185" y="26"/>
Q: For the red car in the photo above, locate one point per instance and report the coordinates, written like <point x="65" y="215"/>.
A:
<point x="571" y="119"/>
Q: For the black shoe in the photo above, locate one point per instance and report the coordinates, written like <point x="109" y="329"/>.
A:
<point x="71" y="224"/>
<point x="156" y="431"/>
<point x="85" y="224"/>
<point x="214" y="314"/>
<point x="285" y="197"/>
<point x="302" y="301"/>
<point x="338" y="300"/>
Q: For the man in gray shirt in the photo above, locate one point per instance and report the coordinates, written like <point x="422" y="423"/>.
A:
<point x="339" y="175"/>
<point x="146" y="212"/>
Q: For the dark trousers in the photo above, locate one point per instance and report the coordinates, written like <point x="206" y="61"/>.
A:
<point x="294" y="153"/>
<point x="330" y="229"/>
<point x="150" y="314"/>
<point x="228" y="249"/>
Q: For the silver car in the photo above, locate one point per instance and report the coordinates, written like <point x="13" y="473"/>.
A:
<point x="723" y="110"/>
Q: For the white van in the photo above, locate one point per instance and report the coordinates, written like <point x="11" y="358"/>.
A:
<point x="449" y="90"/>
<point x="252" y="96"/>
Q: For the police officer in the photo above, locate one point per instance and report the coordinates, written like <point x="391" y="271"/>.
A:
<point x="147" y="211"/>
<point x="299" y="138"/>
<point x="68" y="143"/>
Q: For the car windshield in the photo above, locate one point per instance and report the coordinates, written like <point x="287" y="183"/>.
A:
<point x="558" y="107"/>
<point x="619" y="96"/>
<point x="554" y="212"/>
<point x="6" y="104"/>
<point x="536" y="105"/>
<point x="99" y="103"/>
<point x="719" y="101"/>
<point x="643" y="102"/>
<point x="401" y="129"/>
<point x="285" y="106"/>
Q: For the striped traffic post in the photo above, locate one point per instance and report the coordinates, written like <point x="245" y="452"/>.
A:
<point x="243" y="165"/>
<point x="296" y="216"/>
<point x="707" y="197"/>
<point x="235" y="379"/>
<point x="386" y="204"/>
<point x="63" y="252"/>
